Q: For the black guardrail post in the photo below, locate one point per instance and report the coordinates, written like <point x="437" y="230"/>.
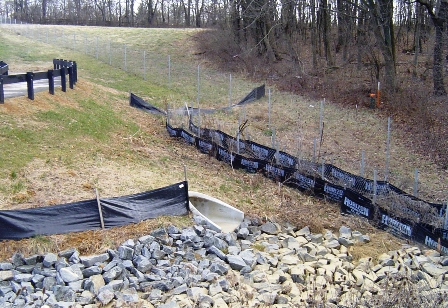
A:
<point x="55" y="64"/>
<point x="3" y="68"/>
<point x="51" y="81"/>
<point x="71" y="79"/>
<point x="75" y="71"/>
<point x="2" y="94"/>
<point x="64" y="79"/>
<point x="30" y="86"/>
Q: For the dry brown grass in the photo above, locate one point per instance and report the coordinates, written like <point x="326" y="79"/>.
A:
<point x="147" y="158"/>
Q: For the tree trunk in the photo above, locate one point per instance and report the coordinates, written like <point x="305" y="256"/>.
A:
<point x="150" y="5"/>
<point x="439" y="18"/>
<point x="418" y="13"/>
<point x="188" y="17"/>
<point x="314" y="49"/>
<point x="162" y="9"/>
<point x="326" y="32"/>
<point x="439" y="87"/>
<point x="235" y="20"/>
<point x="131" y="13"/>
<point x="199" y="10"/>
<point x="44" y="11"/>
<point x="381" y="16"/>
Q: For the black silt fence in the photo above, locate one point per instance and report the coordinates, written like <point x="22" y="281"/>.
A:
<point x="352" y="193"/>
<point x="85" y="215"/>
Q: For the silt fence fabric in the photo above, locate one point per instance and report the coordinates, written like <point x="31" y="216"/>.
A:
<point x="353" y="193"/>
<point x="84" y="215"/>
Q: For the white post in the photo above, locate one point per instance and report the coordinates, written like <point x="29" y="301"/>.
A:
<point x="416" y="182"/>
<point x="321" y="120"/>
<point x="199" y="83"/>
<point x="110" y="55"/>
<point x="125" y="60"/>
<point x="269" y="109"/>
<point x="230" y="90"/>
<point x="374" y="186"/>
<point x="96" y="42"/>
<point x="168" y="114"/>
<point x="169" y="70"/>
<point x="387" y="149"/>
<point x="85" y="43"/>
<point x="237" y="141"/>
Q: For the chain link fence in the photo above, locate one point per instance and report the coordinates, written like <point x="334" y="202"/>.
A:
<point x="199" y="84"/>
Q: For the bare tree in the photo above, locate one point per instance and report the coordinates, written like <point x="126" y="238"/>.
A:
<point x="380" y="13"/>
<point x="199" y="9"/>
<point x="439" y="16"/>
<point x="326" y="31"/>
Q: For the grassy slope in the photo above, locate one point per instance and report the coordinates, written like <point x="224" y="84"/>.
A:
<point x="56" y="149"/>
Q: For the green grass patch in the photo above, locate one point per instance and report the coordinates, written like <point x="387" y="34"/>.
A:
<point x="62" y="132"/>
<point x="17" y="187"/>
<point x="93" y="120"/>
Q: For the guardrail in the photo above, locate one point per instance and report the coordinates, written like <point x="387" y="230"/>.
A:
<point x="61" y="68"/>
<point x="3" y="68"/>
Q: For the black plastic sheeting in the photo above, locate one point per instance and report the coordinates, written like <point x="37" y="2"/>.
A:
<point x="64" y="218"/>
<point x="350" y="191"/>
<point x="138" y="102"/>
<point x="84" y="215"/>
<point x="120" y="211"/>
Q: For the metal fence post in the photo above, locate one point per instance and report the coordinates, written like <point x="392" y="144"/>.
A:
<point x="110" y="54"/>
<point x="269" y="108"/>
<point x="199" y="83"/>
<point x="321" y="121"/>
<point x="374" y="186"/>
<point x="125" y="60"/>
<point x="361" y="172"/>
<point x="144" y="65"/>
<point x="387" y="149"/>
<point x="85" y="44"/>
<point x="230" y="90"/>
<point x="169" y="71"/>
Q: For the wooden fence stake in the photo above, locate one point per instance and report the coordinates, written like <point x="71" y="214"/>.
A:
<point x="99" y="208"/>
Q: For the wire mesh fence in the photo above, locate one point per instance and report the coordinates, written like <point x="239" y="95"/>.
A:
<point x="303" y="132"/>
<point x="164" y="70"/>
